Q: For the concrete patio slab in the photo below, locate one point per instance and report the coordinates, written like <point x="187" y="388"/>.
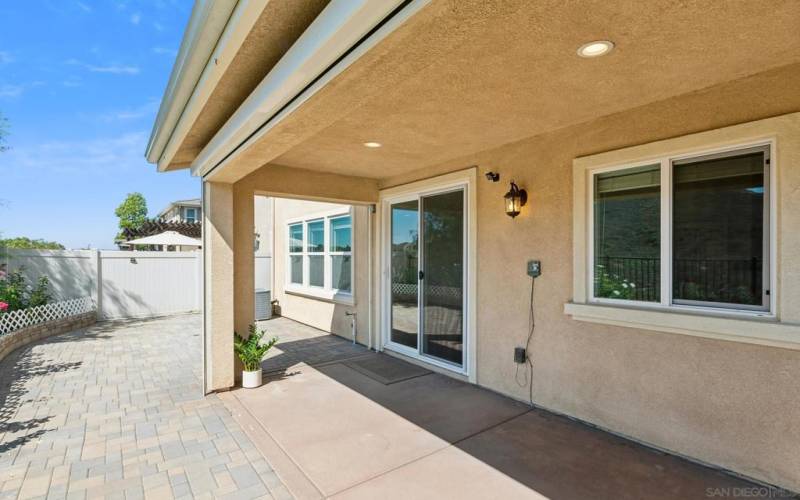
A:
<point x="449" y="473"/>
<point x="300" y="343"/>
<point x="338" y="437"/>
<point x="341" y="433"/>
<point x="445" y="407"/>
<point x="561" y="458"/>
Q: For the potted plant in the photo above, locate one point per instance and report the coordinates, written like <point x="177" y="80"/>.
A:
<point x="251" y="351"/>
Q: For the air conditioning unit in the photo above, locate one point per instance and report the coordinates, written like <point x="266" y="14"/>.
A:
<point x="263" y="304"/>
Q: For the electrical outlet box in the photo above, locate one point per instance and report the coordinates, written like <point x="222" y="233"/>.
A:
<point x="534" y="268"/>
<point x="519" y="355"/>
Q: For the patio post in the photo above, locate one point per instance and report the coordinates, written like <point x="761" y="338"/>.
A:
<point x="243" y="261"/>
<point x="218" y="286"/>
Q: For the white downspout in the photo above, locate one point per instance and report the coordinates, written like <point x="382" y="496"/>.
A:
<point x="370" y="273"/>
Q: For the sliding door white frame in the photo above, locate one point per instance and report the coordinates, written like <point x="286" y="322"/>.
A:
<point x="465" y="180"/>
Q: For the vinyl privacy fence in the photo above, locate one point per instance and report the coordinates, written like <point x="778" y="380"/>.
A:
<point x="121" y="284"/>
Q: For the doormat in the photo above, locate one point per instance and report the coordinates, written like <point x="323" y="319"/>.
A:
<point x="386" y="369"/>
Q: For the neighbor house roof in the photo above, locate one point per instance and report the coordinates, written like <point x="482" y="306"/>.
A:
<point x="194" y="202"/>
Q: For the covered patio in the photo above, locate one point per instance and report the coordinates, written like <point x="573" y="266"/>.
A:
<point x="336" y="420"/>
<point x="424" y="115"/>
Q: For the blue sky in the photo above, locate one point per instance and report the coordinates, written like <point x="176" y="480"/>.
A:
<point x="80" y="84"/>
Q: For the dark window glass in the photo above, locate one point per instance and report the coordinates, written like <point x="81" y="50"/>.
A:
<point x="627" y="234"/>
<point x="443" y="278"/>
<point x="718" y="239"/>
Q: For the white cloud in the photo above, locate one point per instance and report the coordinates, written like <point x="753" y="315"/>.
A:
<point x="6" y="57"/>
<point x="83" y="7"/>
<point x="158" y="26"/>
<point x="136" y="18"/>
<point x="102" y="156"/>
<point x="11" y="91"/>
<point x="146" y="110"/>
<point x="72" y="81"/>
<point x="165" y="51"/>
<point x="115" y="69"/>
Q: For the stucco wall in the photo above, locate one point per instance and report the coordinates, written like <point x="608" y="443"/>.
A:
<point x="722" y="402"/>
<point x="323" y="314"/>
<point x="726" y="403"/>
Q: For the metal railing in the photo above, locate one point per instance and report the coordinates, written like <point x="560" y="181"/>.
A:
<point x="715" y="280"/>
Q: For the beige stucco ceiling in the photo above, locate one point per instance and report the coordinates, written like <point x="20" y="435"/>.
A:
<point x="277" y="28"/>
<point x="465" y="76"/>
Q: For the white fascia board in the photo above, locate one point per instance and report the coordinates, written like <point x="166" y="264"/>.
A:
<point x="337" y="29"/>
<point x="239" y="24"/>
<point x="205" y="25"/>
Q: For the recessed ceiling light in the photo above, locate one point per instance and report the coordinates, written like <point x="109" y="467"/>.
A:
<point x="373" y="144"/>
<point x="595" y="49"/>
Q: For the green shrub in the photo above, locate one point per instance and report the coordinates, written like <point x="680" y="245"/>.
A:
<point x="250" y="350"/>
<point x="612" y="286"/>
<point x="18" y="294"/>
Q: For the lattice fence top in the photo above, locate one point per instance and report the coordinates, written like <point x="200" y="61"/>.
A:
<point x="16" y="320"/>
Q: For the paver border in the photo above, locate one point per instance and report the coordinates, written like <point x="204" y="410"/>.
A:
<point x="10" y="342"/>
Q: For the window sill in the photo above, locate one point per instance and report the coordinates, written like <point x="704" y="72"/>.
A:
<point x="320" y="294"/>
<point x="734" y="328"/>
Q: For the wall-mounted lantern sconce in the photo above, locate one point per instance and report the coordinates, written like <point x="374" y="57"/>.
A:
<point x="515" y="200"/>
<point x="492" y="176"/>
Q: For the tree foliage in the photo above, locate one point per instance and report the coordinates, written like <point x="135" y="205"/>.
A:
<point x="28" y="244"/>
<point x="132" y="212"/>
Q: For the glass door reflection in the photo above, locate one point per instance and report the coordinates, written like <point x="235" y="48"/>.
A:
<point x="404" y="273"/>
<point x="442" y="276"/>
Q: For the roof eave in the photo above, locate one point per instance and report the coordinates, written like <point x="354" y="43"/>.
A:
<point x="206" y="24"/>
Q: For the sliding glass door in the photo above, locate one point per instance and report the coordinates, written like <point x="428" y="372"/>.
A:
<point x="427" y="276"/>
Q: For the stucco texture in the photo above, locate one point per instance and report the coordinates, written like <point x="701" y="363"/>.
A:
<point x="721" y="402"/>
<point x="441" y="97"/>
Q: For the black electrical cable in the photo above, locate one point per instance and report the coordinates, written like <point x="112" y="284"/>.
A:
<point x="531" y="328"/>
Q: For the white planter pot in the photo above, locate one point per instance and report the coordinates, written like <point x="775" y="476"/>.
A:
<point x="251" y="380"/>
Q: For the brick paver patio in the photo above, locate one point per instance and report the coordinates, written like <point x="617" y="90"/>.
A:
<point x="116" y="411"/>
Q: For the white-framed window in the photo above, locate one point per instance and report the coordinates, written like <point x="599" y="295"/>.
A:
<point x="320" y="255"/>
<point x="191" y="215"/>
<point x="690" y="231"/>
